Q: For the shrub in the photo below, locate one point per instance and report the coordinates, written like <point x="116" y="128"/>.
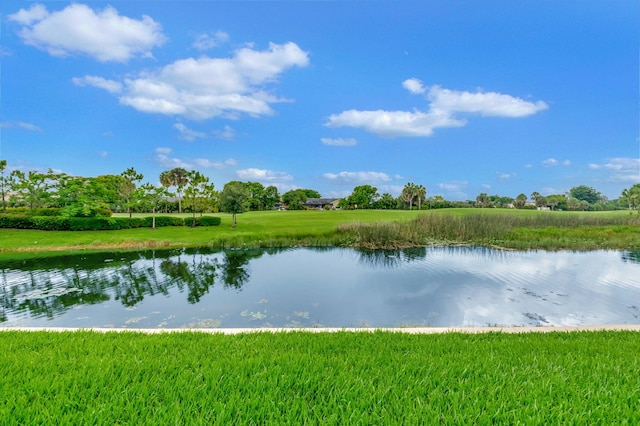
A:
<point x="208" y="221"/>
<point x="50" y="211"/>
<point x="16" y="221"/>
<point x="164" y="221"/>
<point x="48" y="223"/>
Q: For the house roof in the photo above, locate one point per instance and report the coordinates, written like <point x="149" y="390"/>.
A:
<point x="320" y="201"/>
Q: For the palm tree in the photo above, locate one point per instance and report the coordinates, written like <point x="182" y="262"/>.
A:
<point x="421" y="193"/>
<point x="409" y="193"/>
<point x="177" y="177"/>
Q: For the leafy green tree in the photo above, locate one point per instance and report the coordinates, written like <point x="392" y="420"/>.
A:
<point x="234" y="198"/>
<point x="3" y="183"/>
<point x="632" y="197"/>
<point x="178" y="178"/>
<point x="198" y="193"/>
<point x="363" y="197"/>
<point x="557" y="202"/>
<point x="270" y="197"/>
<point x="80" y="196"/>
<point x="150" y="197"/>
<point x="520" y="201"/>
<point x="296" y="198"/>
<point x="586" y="193"/>
<point x="482" y="200"/>
<point x="128" y="187"/>
<point x="33" y="188"/>
<point x="386" y="202"/>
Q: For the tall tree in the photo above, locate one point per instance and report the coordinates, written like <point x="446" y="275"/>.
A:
<point x="33" y="188"/>
<point x="539" y="199"/>
<point x="178" y="178"/>
<point x="586" y="193"/>
<point x="3" y="183"/>
<point x="198" y="192"/>
<point x="421" y="195"/>
<point x="128" y="187"/>
<point x="296" y="198"/>
<point x="150" y="197"/>
<point x="363" y="197"/>
<point x="408" y="193"/>
<point x="233" y="199"/>
<point x="483" y="200"/>
<point x="520" y="201"/>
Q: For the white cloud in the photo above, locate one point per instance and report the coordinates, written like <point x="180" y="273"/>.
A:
<point x="188" y="134"/>
<point x="394" y="123"/>
<point x="261" y="175"/>
<point x="208" y="41"/>
<point x="339" y="141"/>
<point x="99" y="82"/>
<point x="357" y="177"/>
<point x="165" y="159"/>
<point x="622" y="170"/>
<point x="227" y="133"/>
<point x="77" y="29"/>
<point x="552" y="162"/>
<point x="206" y="87"/>
<point x="21" y="125"/>
<point x="483" y="103"/>
<point x="103" y="154"/>
<point x="453" y="186"/>
<point x="506" y="176"/>
<point x="444" y="104"/>
<point x="414" y="86"/>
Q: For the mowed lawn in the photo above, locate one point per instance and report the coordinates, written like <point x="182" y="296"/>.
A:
<point x="297" y="227"/>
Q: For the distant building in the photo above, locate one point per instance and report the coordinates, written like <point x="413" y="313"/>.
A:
<point x="322" y="203"/>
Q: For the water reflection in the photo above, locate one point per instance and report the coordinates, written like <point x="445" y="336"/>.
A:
<point x="437" y="286"/>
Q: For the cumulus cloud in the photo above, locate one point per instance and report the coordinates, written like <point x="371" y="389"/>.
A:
<point x="208" y="41"/>
<point x="207" y="87"/>
<point x="188" y="134"/>
<point x="77" y="29"/>
<point x="226" y="133"/>
<point x="165" y="158"/>
<point x="339" y="141"/>
<point x="263" y="176"/>
<point x="357" y="177"/>
<point x="622" y="170"/>
<point x="99" y="82"/>
<point x="394" y="123"/>
<point x="506" y="176"/>
<point x="552" y="162"/>
<point x="445" y="106"/>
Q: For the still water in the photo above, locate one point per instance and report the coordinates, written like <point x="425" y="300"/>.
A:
<point x="329" y="287"/>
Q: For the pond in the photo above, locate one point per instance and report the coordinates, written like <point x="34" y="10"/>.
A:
<point x="322" y="287"/>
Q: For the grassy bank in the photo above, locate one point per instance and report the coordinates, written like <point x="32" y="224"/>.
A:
<point x="508" y="229"/>
<point x="323" y="378"/>
<point x="516" y="229"/>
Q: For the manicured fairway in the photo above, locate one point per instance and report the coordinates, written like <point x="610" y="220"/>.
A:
<point x="319" y="378"/>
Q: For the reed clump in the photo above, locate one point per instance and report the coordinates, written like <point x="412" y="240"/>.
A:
<point x="506" y="230"/>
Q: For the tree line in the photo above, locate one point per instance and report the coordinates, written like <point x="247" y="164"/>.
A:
<point x="190" y="191"/>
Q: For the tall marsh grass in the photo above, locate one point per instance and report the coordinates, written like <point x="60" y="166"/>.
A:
<point x="507" y="230"/>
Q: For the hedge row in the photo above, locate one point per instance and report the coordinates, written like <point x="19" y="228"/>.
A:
<point x="49" y="223"/>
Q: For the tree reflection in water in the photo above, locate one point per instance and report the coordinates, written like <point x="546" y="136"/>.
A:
<point x="51" y="286"/>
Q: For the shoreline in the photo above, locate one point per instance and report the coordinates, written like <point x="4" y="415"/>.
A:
<point x="405" y="330"/>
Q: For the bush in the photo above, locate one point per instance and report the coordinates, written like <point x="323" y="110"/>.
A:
<point x="15" y="221"/>
<point x="164" y="221"/>
<point x="206" y="221"/>
<point x="50" y="211"/>
<point x="48" y="223"/>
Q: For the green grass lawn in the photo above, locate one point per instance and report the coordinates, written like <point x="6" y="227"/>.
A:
<point x="359" y="228"/>
<point x="259" y="228"/>
<point x="319" y="378"/>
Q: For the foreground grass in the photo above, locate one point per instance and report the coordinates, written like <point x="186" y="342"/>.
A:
<point x="319" y="378"/>
<point x="369" y="229"/>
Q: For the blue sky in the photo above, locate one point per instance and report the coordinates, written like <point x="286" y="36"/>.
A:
<point x="463" y="97"/>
